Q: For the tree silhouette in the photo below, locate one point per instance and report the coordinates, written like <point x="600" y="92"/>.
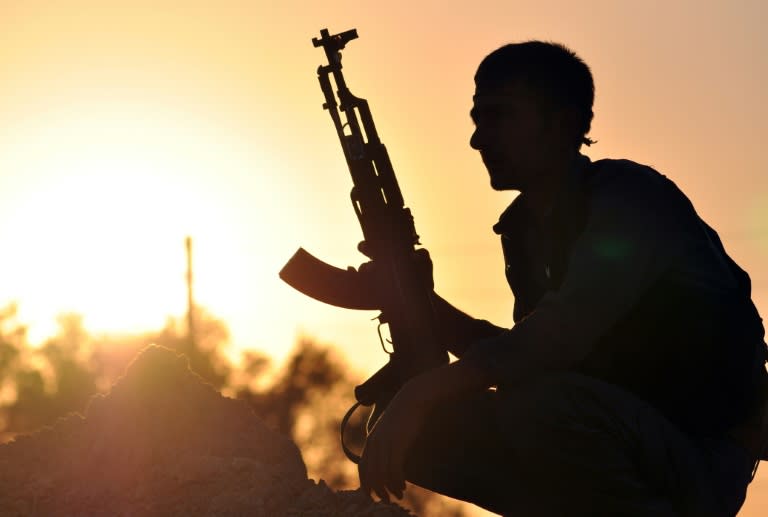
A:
<point x="39" y="385"/>
<point x="13" y="338"/>
<point x="45" y="383"/>
<point x="307" y="401"/>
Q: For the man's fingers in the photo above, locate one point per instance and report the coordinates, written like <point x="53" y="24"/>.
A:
<point x="364" y="248"/>
<point x="379" y="472"/>
<point x="370" y="470"/>
<point x="382" y="493"/>
<point x="395" y="478"/>
<point x="398" y="488"/>
<point x="363" y="469"/>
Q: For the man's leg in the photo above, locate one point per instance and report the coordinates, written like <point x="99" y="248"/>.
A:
<point x="453" y="454"/>
<point x="572" y="445"/>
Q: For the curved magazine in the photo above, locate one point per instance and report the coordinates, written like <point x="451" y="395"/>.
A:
<point x="326" y="283"/>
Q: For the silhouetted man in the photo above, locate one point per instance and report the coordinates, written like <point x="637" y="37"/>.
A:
<point x="632" y="382"/>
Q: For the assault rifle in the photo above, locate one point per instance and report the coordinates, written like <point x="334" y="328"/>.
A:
<point x="395" y="284"/>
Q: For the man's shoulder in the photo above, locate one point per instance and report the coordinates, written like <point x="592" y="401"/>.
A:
<point x="636" y="187"/>
<point x="623" y="171"/>
<point x="627" y="178"/>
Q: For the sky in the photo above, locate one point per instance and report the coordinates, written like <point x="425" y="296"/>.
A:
<point x="126" y="126"/>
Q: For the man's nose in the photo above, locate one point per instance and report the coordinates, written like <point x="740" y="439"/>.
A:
<point x="474" y="140"/>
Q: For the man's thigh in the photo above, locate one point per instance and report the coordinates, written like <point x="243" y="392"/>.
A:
<point x="563" y="445"/>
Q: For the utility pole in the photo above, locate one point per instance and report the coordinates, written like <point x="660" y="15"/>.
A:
<point x="191" y="344"/>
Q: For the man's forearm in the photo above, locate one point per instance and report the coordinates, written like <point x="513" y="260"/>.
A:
<point x="458" y="329"/>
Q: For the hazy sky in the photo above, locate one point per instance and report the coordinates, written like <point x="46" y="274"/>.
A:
<point x="125" y="126"/>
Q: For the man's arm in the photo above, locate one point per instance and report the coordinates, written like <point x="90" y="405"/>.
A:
<point x="457" y="329"/>
<point x="633" y="234"/>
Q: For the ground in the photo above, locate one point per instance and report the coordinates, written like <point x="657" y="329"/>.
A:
<point x="163" y="442"/>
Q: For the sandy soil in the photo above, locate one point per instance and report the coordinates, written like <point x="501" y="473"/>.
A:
<point x="162" y="442"/>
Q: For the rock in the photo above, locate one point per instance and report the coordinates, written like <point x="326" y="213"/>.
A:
<point x="163" y="442"/>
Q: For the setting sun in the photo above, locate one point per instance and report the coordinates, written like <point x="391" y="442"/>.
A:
<point x="106" y="196"/>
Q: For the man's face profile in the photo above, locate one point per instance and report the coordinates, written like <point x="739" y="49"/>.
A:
<point x="514" y="133"/>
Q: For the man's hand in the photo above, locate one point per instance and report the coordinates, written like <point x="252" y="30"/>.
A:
<point x="381" y="467"/>
<point x="422" y="267"/>
<point x="383" y="458"/>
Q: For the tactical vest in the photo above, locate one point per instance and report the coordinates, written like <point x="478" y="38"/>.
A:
<point x="699" y="360"/>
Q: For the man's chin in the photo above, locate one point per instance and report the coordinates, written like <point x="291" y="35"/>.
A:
<point x="499" y="184"/>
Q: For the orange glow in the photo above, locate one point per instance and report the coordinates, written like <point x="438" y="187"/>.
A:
<point x="104" y="208"/>
<point x="171" y="118"/>
<point x="125" y="126"/>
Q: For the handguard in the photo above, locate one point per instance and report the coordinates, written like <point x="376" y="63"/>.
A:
<point x="344" y="288"/>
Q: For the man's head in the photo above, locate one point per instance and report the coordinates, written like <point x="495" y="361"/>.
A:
<point x="532" y="111"/>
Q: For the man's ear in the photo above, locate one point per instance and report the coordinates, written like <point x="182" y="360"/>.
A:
<point x="568" y="122"/>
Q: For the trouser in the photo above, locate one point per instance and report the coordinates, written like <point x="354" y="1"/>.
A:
<point x="570" y="445"/>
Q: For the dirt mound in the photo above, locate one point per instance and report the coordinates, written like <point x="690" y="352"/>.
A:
<point x="162" y="442"/>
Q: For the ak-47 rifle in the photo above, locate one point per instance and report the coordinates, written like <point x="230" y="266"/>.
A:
<point x="397" y="287"/>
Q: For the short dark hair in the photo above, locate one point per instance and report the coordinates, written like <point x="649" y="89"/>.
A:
<point x="548" y="68"/>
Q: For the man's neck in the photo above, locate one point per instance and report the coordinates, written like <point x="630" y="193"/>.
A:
<point x="540" y="198"/>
